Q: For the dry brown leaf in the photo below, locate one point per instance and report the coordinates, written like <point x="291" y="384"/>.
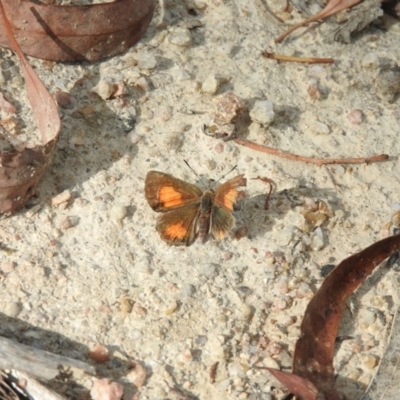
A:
<point x="297" y="385"/>
<point x="20" y="172"/>
<point x="313" y="356"/>
<point x="67" y="33"/>
<point x="333" y="7"/>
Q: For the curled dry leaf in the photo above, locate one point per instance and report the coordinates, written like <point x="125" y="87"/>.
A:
<point x="313" y="357"/>
<point x="67" y="33"/>
<point x="20" y="172"/>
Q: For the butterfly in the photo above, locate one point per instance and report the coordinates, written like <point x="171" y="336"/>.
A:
<point x="187" y="211"/>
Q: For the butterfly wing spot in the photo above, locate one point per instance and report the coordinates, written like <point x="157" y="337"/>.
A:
<point x="169" y="197"/>
<point x="229" y="199"/>
<point x="176" y="231"/>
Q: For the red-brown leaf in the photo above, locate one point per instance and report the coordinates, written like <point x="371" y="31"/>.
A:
<point x="67" y="33"/>
<point x="297" y="385"/>
<point x="313" y="357"/>
<point x="20" y="172"/>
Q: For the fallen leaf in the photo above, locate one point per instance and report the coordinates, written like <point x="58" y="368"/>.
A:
<point x="67" y="33"/>
<point x="297" y="385"/>
<point x="20" y="172"/>
<point x="313" y="356"/>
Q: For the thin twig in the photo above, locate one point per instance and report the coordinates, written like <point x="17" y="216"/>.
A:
<point x="310" y="160"/>
<point x="270" y="183"/>
<point x="308" y="60"/>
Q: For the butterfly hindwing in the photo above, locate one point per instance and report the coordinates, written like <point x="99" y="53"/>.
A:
<point x="222" y="221"/>
<point x="164" y="192"/>
<point x="178" y="227"/>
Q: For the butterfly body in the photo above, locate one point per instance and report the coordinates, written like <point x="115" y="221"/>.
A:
<point x="187" y="212"/>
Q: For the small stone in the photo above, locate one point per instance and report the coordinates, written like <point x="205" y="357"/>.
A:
<point x="134" y="137"/>
<point x="118" y="212"/>
<point x="63" y="197"/>
<point x="172" y="308"/>
<point x="146" y="61"/>
<point x="99" y="354"/>
<point x="69" y="222"/>
<point x="180" y="37"/>
<point x="227" y="107"/>
<point x="317" y="243"/>
<point x="210" y="85"/>
<point x="367" y="318"/>
<point x="369" y="361"/>
<point x="139" y="310"/>
<point x="387" y="83"/>
<point x="125" y="305"/>
<point x="164" y="113"/>
<point x="187" y="290"/>
<point x="8" y="266"/>
<point x="77" y="138"/>
<point x="319" y="128"/>
<point x="104" y="89"/>
<point x="105" y="389"/>
<point x="142" y="83"/>
<point x="12" y="309"/>
<point x="278" y="6"/>
<point x="370" y="60"/>
<point x="64" y="99"/>
<point x="262" y="112"/>
<point x="137" y="375"/>
<point x="270" y="363"/>
<point x="355" y="117"/>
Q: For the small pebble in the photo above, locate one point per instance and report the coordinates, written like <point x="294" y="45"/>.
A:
<point x="164" y="113"/>
<point x="355" y="117"/>
<point x="171" y="308"/>
<point x="104" y="89"/>
<point x="227" y="107"/>
<point x="125" y="305"/>
<point x="319" y="128"/>
<point x="262" y="112"/>
<point x="146" y="61"/>
<point x="99" y="354"/>
<point x="8" y="266"/>
<point x="118" y="212"/>
<point x="369" y="361"/>
<point x="187" y="290"/>
<point x="105" y="389"/>
<point x="387" y="83"/>
<point x="180" y="37"/>
<point x="63" y="197"/>
<point x="370" y="60"/>
<point x="12" y="309"/>
<point x="142" y="83"/>
<point x="317" y="243"/>
<point x="69" y="222"/>
<point x="137" y="374"/>
<point x="64" y="99"/>
<point x="139" y="310"/>
<point x="210" y="85"/>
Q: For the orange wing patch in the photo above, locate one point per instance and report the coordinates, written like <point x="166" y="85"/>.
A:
<point x="170" y="197"/>
<point x="229" y="199"/>
<point x="176" y="231"/>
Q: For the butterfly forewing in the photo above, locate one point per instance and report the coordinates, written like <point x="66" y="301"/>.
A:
<point x="227" y="194"/>
<point x="164" y="192"/>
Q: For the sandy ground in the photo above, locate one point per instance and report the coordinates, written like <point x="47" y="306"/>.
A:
<point x="95" y="270"/>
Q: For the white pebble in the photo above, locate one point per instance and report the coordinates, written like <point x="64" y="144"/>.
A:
<point x="147" y="61"/>
<point x="61" y="198"/>
<point x="142" y="83"/>
<point x="370" y="60"/>
<point x="320" y="128"/>
<point x="180" y="37"/>
<point x="210" y="85"/>
<point x="317" y="243"/>
<point x="262" y="112"/>
<point x="118" y="212"/>
<point x="12" y="309"/>
<point x="104" y="89"/>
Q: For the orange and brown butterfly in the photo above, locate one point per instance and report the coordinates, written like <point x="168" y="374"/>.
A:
<point x="187" y="211"/>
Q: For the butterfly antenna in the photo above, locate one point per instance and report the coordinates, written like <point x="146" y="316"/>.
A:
<point x="223" y="176"/>
<point x="201" y="180"/>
